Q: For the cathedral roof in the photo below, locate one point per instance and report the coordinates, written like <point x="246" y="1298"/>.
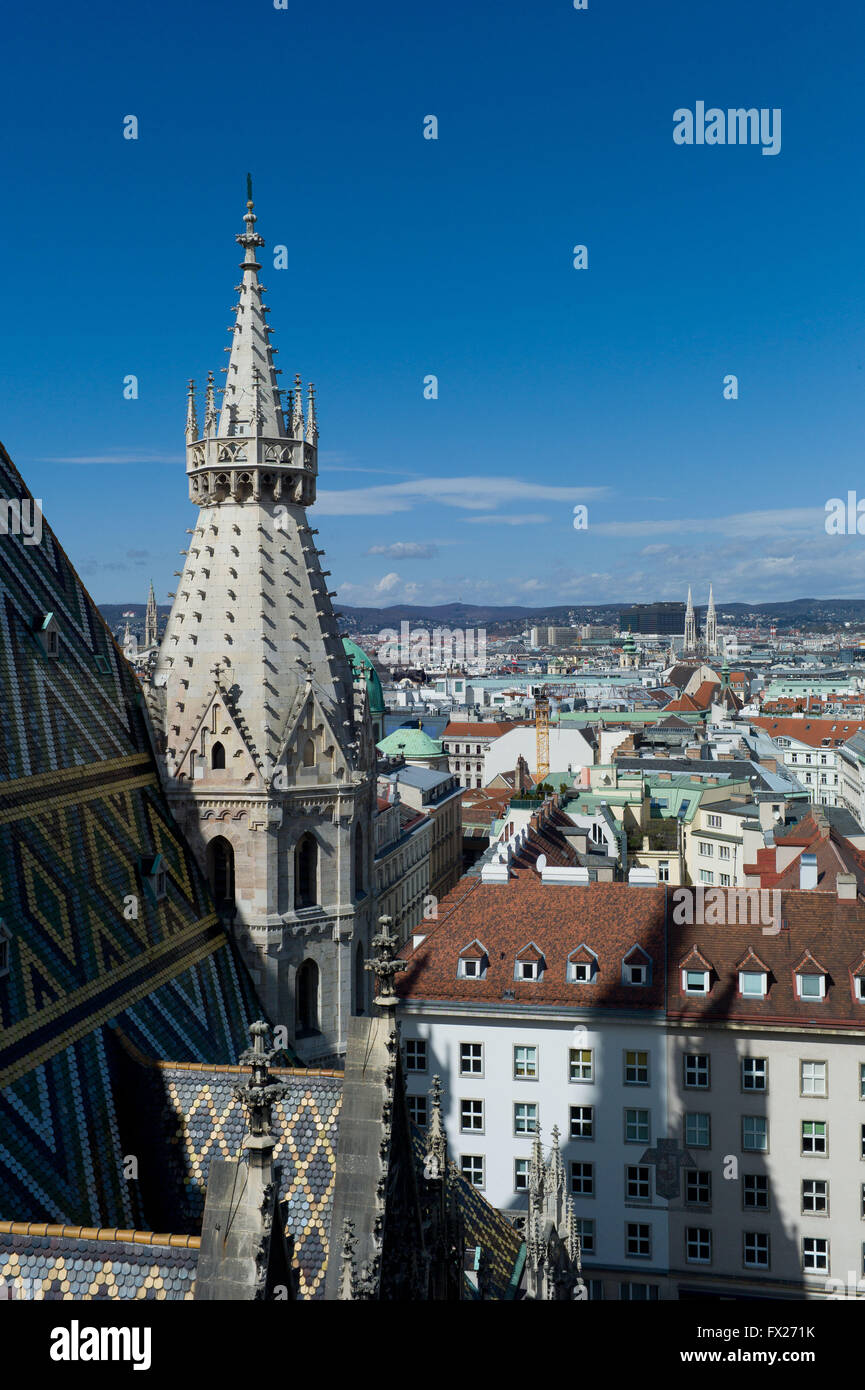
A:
<point x="189" y="1115"/>
<point x="92" y="937"/>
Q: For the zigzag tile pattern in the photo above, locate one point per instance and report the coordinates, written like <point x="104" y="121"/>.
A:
<point x="193" y="1115"/>
<point x="80" y="807"/>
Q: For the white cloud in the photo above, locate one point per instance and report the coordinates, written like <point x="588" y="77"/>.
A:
<point x="524" y="519"/>
<point x="405" y="550"/>
<point x="467" y="493"/>
<point x="388" y="583"/>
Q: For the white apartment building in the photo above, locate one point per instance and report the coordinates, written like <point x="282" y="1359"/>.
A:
<point x="707" y="1082"/>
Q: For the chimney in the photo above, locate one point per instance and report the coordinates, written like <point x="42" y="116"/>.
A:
<point x="693" y="750"/>
<point x="845" y="886"/>
<point x="808" y="871"/>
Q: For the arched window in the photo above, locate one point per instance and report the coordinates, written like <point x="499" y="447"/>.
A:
<point x="359" y="980"/>
<point x="306" y="872"/>
<point x="220" y="871"/>
<point x="306" y="998"/>
<point x="309" y="753"/>
<point x="217" y="755"/>
<point x="359" y="875"/>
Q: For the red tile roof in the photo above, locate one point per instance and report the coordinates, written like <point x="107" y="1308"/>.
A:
<point x="481" y="731"/>
<point x="811" y="731"/>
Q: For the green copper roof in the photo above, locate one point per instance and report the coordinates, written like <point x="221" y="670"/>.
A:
<point x="411" y="743"/>
<point x="373" y="684"/>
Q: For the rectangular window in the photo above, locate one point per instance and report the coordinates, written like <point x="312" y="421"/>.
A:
<point x="637" y="1127"/>
<point x="706" y="876"/>
<point x="697" y="1131"/>
<point x="582" y="1122"/>
<point x="810" y="986"/>
<point x="696" y="981"/>
<point x="815" y="1255"/>
<point x="663" y="871"/>
<point x="586" y="1232"/>
<point x="725" y="880"/>
<point x="417" y="1110"/>
<point x="525" y="1118"/>
<point x="636" y="1068"/>
<point x="754" y="1073"/>
<point x="698" y="1187"/>
<point x="723" y="851"/>
<point x="637" y="1180"/>
<point x="812" y="1078"/>
<point x="706" y="849"/>
<point x="714" y="822"/>
<point x="698" y="1245"/>
<point x="755" y="1250"/>
<point x="638" y="1241"/>
<point x="472" y="1169"/>
<point x="638" y="1293"/>
<point x="521" y="1174"/>
<point x="526" y="1062"/>
<point x="415" y="1054"/>
<point x="752" y="983"/>
<point x="815" y="1196"/>
<point x="813" y="1136"/>
<point x="471" y="1115"/>
<point x="580" y="1064"/>
<point x="755" y="1191"/>
<point x="583" y="1179"/>
<point x="862" y="1080"/>
<point x="755" y="1133"/>
<point x="696" y="1071"/>
<point x="471" y="1059"/>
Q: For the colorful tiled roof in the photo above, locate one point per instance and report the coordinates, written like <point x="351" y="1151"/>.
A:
<point x="44" y="1262"/>
<point x="82" y="815"/>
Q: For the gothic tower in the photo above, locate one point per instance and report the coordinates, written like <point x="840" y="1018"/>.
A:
<point x="711" y="627"/>
<point x="262" y="724"/>
<point x="690" y="644"/>
<point x="151" y="621"/>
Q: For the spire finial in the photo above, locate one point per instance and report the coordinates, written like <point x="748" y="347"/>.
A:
<point x="297" y="413"/>
<point x="311" y="422"/>
<point x="249" y="202"/>
<point x="191" y="417"/>
<point x="436" y="1164"/>
<point x="384" y="964"/>
<point x="209" y="408"/>
<point x="261" y="1091"/>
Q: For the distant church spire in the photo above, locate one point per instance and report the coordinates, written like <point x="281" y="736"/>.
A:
<point x="151" y="621"/>
<point x="711" y="626"/>
<point x="690" y="625"/>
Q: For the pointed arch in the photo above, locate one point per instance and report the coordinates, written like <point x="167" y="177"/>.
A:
<point x="306" y="872"/>
<point x="309" y="753"/>
<point x="220" y="872"/>
<point x="217" y="755"/>
<point x="306" y="992"/>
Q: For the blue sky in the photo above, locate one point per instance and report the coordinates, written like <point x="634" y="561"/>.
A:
<point x="452" y="257"/>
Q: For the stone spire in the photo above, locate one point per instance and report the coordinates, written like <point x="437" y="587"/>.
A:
<point x="191" y="419"/>
<point x="711" y="626"/>
<point x="554" y="1183"/>
<point x="274" y="757"/>
<point x="151" y="620"/>
<point x="251" y="354"/>
<point x="690" y="626"/>
<point x="385" y="966"/>
<point x="436" y="1158"/>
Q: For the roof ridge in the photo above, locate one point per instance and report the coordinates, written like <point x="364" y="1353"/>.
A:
<point x="129" y="1235"/>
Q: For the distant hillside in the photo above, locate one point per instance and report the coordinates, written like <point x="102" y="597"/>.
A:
<point x="789" y="614"/>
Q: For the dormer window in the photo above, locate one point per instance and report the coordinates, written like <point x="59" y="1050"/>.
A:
<point x="154" y="876"/>
<point x="636" y="967"/>
<point x="47" y="634"/>
<point x="582" y="966"/>
<point x="529" y="964"/>
<point x="810" y="979"/>
<point x="811" y="986"/>
<point x="752" y="984"/>
<point x="695" y="981"/>
<point x="472" y="961"/>
<point x="859" y="988"/>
